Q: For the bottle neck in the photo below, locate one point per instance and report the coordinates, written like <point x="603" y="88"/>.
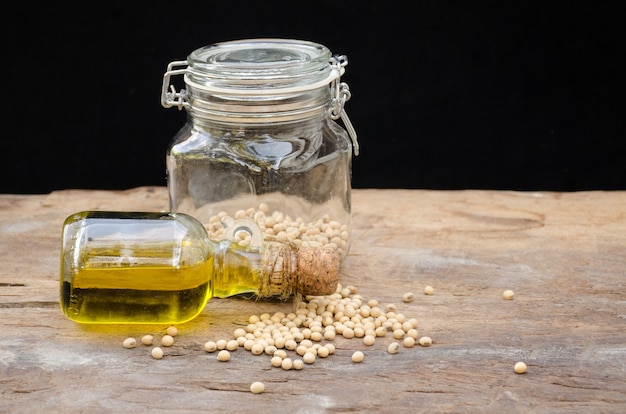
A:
<point x="268" y="271"/>
<point x="278" y="269"/>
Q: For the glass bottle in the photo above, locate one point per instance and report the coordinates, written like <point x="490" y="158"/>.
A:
<point x="148" y="267"/>
<point x="261" y="140"/>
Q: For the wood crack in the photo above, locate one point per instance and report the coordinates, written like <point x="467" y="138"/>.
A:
<point x="20" y="305"/>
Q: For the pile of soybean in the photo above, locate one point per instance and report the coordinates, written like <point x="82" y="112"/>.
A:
<point x="299" y="338"/>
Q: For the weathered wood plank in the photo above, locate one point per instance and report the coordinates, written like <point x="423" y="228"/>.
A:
<point x="564" y="255"/>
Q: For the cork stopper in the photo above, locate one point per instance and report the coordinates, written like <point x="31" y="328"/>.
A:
<point x="317" y="271"/>
<point x="289" y="270"/>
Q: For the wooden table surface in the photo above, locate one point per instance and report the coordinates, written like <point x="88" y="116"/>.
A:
<point x="563" y="254"/>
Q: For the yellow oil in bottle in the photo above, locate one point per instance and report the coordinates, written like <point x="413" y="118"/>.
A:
<point x="139" y="294"/>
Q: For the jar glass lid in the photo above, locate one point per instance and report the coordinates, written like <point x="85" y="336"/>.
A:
<point x="260" y="64"/>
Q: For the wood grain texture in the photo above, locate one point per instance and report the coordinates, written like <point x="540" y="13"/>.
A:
<point x="564" y="255"/>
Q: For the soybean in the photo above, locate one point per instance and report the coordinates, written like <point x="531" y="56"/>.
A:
<point x="298" y="364"/>
<point x="157" y="353"/>
<point x="223" y="355"/>
<point x="393" y="348"/>
<point x="408" y="342"/>
<point x="257" y="387"/>
<point x="358" y="356"/>
<point x="129" y="343"/>
<point x="520" y="367"/>
<point x="287" y="364"/>
<point x="147" y="339"/>
<point x="425" y="341"/>
<point x="167" y="340"/>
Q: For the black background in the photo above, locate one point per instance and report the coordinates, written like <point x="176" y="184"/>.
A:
<point x="445" y="95"/>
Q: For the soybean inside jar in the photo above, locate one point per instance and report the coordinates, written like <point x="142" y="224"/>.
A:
<point x="261" y="141"/>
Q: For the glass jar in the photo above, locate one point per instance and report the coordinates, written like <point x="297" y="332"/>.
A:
<point x="261" y="141"/>
<point x="148" y="267"/>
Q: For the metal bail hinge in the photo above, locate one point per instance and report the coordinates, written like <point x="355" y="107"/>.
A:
<point x="351" y="131"/>
<point x="341" y="92"/>
<point x="169" y="96"/>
